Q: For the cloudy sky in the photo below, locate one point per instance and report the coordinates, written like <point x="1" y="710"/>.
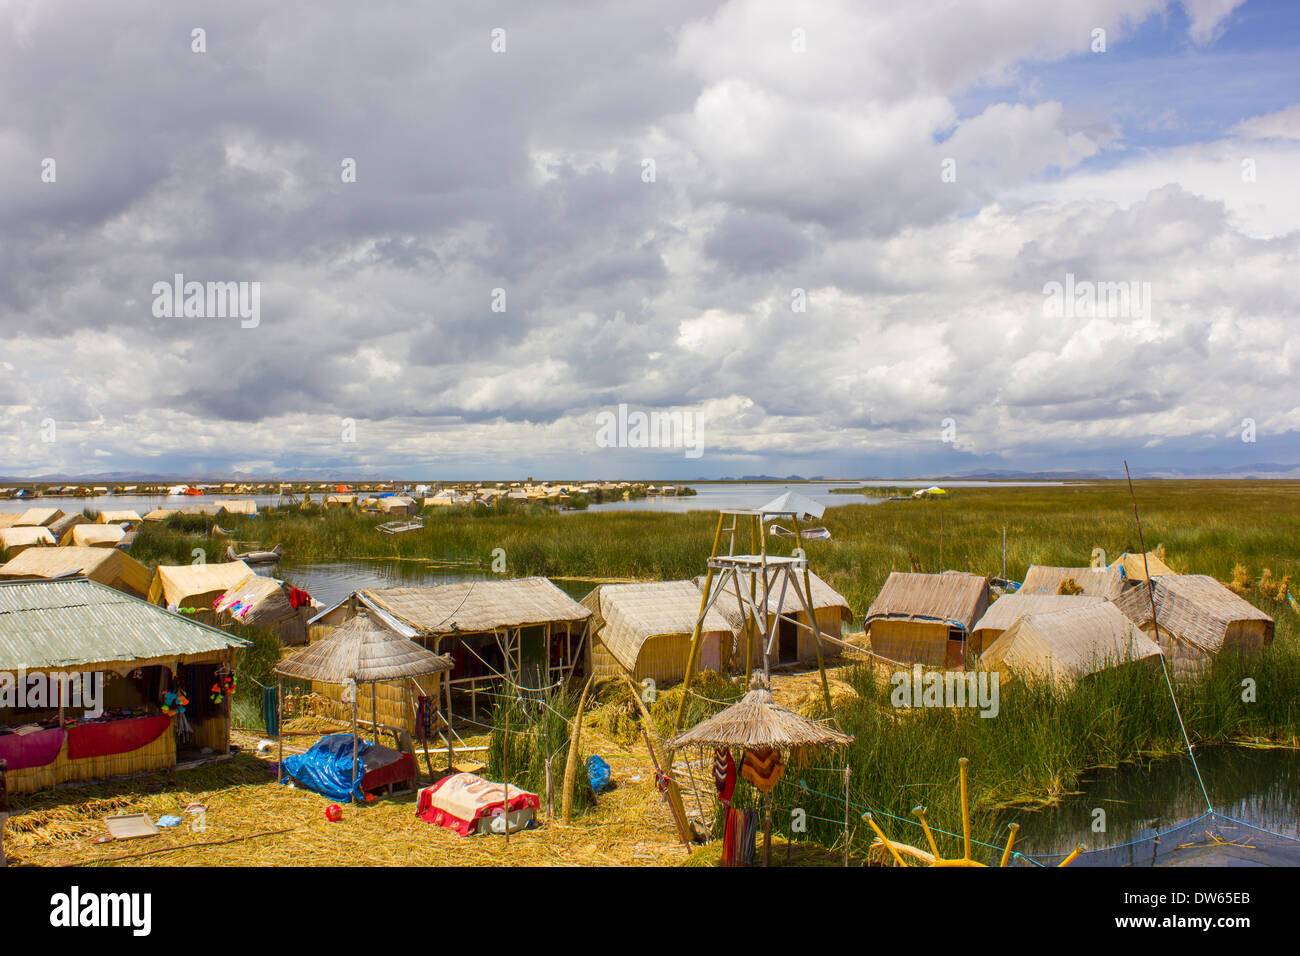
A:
<point x="818" y="232"/>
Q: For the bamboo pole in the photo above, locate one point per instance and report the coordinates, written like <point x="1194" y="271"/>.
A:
<point x="352" y="792"/>
<point x="505" y="771"/>
<point x="846" y="815"/>
<point x="279" y="727"/>
<point x="694" y="648"/>
<point x="571" y="761"/>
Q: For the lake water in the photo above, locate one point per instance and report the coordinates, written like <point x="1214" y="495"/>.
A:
<point x="1257" y="786"/>
<point x="709" y="497"/>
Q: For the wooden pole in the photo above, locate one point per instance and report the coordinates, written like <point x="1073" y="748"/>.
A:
<point x="374" y="714"/>
<point x="352" y="792"/>
<point x="4" y="810"/>
<point x="694" y="648"/>
<point x="279" y="727"/>
<point x="767" y="830"/>
<point x="846" y="815"/>
<point x="505" y="772"/>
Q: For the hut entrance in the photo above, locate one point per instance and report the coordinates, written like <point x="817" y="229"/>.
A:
<point x="788" y="641"/>
<point x="956" y="656"/>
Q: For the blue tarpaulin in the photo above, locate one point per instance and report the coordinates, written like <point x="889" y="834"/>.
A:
<point x="327" y="767"/>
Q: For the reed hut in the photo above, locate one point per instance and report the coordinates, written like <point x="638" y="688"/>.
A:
<point x="1198" y="619"/>
<point x="1106" y="583"/>
<point x="926" y="618"/>
<point x="796" y="642"/>
<point x="1137" y="566"/>
<point x="195" y="585"/>
<point x="362" y="652"/>
<point x="109" y="566"/>
<point x="235" y="506"/>
<point x="94" y="536"/>
<point x="120" y="516"/>
<point x="9" y="518"/>
<point x="160" y="514"/>
<point x="1065" y="646"/>
<point x="1009" y="608"/>
<point x="341" y="501"/>
<point x="770" y="736"/>
<point x="525" y="630"/>
<point x="645" y="630"/>
<point x="38" y="518"/>
<point x="14" y="541"/>
<point x="267" y="603"/>
<point x="73" y="626"/>
<point x="67" y="523"/>
<point x="397" y="505"/>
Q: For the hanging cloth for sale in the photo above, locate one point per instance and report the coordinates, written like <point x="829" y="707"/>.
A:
<point x="424" y="713"/>
<point x="749" y="838"/>
<point x="762" y="767"/>
<point x="724" y="774"/>
<point x="271" y="711"/>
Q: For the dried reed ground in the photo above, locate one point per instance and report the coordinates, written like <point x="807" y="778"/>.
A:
<point x="629" y="826"/>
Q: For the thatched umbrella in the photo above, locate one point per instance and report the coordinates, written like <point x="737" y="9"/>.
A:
<point x="757" y="720"/>
<point x="361" y="652"/>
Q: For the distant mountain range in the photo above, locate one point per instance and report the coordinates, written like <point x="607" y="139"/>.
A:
<point x="1256" y="470"/>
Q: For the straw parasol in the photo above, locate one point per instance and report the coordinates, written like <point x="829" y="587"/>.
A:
<point x="757" y="720"/>
<point x="361" y="652"/>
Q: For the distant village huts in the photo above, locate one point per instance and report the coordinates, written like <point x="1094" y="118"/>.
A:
<point x="796" y="642"/>
<point x="1009" y="608"/>
<point x="1069" y="644"/>
<point x="926" y="618"/>
<point x="1198" y="619"/>
<point x="1105" y="583"/>
<point x="645" y="630"/>
<point x="523" y="629"/>
<point x="109" y="566"/>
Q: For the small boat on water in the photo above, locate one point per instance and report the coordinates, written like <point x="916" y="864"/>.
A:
<point x="255" y="557"/>
<point x="400" y="527"/>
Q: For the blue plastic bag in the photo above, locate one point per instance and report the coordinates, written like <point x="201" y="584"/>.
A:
<point x="598" y="773"/>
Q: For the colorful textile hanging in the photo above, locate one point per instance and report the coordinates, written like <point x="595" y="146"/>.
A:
<point x="739" y="836"/>
<point x="724" y="774"/>
<point x="763" y="768"/>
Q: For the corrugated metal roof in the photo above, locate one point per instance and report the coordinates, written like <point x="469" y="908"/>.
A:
<point x="75" y="622"/>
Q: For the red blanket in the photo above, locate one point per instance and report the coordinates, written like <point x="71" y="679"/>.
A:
<point x="31" y="750"/>
<point x="473" y="797"/>
<point x="115" y="736"/>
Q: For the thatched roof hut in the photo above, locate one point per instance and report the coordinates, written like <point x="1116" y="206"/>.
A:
<point x="1105" y="583"/>
<point x="121" y="516"/>
<point x="795" y="642"/>
<point x="525" y="629"/>
<point x="1136" y="569"/>
<point x="757" y="720"/>
<point x="926" y="618"/>
<point x="1066" y="645"/>
<point x="1198" y="618"/>
<point x="109" y="566"/>
<point x="161" y="514"/>
<point x="1007" y="609"/>
<point x="16" y="540"/>
<point x="645" y="629"/>
<point x="235" y="506"/>
<point x="264" y="602"/>
<point x="365" y="652"/>
<point x="195" y="585"/>
<point x="67" y="523"/>
<point x="38" y="518"/>
<point x="94" y="536"/>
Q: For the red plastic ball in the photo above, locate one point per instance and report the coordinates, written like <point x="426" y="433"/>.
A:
<point x="333" y="813"/>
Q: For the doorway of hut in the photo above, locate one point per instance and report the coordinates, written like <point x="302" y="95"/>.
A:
<point x="787" y="642"/>
<point x="956" y="656"/>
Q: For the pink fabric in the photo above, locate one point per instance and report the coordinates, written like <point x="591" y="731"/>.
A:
<point x="31" y="750"/>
